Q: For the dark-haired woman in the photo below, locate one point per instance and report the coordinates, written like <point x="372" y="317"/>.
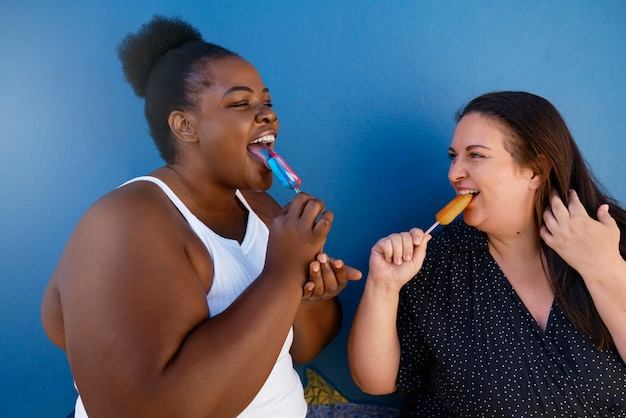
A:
<point x="188" y="292"/>
<point x="518" y="309"/>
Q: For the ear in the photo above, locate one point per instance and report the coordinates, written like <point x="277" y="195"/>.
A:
<point x="537" y="178"/>
<point x="535" y="181"/>
<point x="182" y="125"/>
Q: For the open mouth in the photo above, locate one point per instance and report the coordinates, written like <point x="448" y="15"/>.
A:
<point x="474" y="191"/>
<point x="259" y="149"/>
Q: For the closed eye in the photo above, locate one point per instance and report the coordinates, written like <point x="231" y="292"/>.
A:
<point x="246" y="104"/>
<point x="475" y="155"/>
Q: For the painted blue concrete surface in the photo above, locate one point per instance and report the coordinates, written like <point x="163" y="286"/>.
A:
<point x="365" y="91"/>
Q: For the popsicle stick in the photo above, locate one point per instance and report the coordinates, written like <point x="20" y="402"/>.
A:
<point x="429" y="230"/>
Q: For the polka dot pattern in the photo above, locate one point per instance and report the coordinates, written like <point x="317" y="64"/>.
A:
<point x="470" y="348"/>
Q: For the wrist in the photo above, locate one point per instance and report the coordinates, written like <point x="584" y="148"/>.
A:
<point x="383" y="287"/>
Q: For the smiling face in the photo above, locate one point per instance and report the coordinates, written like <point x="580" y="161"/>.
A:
<point x="233" y="112"/>
<point x="481" y="163"/>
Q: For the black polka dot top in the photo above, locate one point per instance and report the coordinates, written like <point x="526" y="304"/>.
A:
<point x="470" y="348"/>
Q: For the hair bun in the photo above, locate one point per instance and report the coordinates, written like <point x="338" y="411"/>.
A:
<point x="139" y="52"/>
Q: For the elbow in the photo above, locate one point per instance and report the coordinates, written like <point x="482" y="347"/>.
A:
<point x="303" y="354"/>
<point x="372" y="384"/>
<point x="302" y="358"/>
<point x="376" y="388"/>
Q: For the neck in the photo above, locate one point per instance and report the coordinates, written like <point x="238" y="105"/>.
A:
<point x="522" y="243"/>
<point x="218" y="208"/>
<point x="523" y="264"/>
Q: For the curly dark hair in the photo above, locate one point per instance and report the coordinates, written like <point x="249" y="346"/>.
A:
<point x="163" y="63"/>
<point x="538" y="138"/>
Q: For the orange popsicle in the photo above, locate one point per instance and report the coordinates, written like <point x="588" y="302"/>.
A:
<point x="451" y="210"/>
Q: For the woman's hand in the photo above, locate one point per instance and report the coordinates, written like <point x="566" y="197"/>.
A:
<point x="580" y="240"/>
<point x="297" y="236"/>
<point x="395" y="259"/>
<point x="592" y="248"/>
<point x="327" y="278"/>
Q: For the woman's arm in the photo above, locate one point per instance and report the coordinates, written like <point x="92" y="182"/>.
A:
<point x="319" y="316"/>
<point x="138" y="336"/>
<point x="373" y="344"/>
<point x="592" y="248"/>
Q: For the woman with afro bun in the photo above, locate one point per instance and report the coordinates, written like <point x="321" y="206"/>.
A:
<point x="190" y="292"/>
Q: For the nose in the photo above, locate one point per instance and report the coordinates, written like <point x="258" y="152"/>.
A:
<point x="457" y="171"/>
<point x="266" y="115"/>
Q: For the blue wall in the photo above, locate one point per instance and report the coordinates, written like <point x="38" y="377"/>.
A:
<point x="365" y="90"/>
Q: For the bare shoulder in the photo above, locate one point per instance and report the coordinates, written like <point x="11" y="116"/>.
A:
<point x="133" y="256"/>
<point x="263" y="204"/>
<point x="129" y="218"/>
<point x="130" y="227"/>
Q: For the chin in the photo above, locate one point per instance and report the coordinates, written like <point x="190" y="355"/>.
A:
<point x="256" y="189"/>
<point x="473" y="222"/>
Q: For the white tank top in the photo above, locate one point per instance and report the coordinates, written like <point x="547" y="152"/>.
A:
<point x="235" y="267"/>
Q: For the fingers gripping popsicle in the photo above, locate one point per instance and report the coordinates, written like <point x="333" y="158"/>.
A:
<point x="268" y="157"/>
<point x="451" y="211"/>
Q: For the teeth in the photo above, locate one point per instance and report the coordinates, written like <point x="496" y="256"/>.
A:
<point x="468" y="191"/>
<point x="267" y="139"/>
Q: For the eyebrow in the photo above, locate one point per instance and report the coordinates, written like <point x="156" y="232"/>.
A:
<point x="242" y="88"/>
<point x="470" y="148"/>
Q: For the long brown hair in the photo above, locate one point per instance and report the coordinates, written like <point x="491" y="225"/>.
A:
<point x="538" y="138"/>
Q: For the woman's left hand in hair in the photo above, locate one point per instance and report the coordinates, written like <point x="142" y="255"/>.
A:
<point x="592" y="248"/>
<point x="584" y="243"/>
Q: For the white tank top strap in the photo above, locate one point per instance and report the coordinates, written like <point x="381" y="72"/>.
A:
<point x="189" y="216"/>
<point x="166" y="189"/>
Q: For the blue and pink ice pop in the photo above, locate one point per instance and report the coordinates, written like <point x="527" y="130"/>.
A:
<point x="268" y="157"/>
